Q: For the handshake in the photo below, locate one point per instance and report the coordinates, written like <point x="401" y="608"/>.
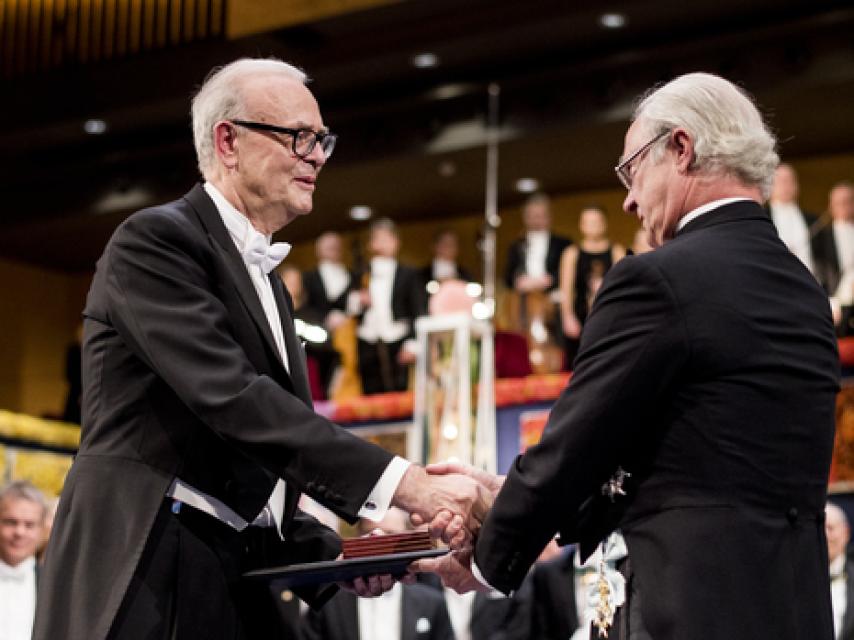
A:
<point x="453" y="500"/>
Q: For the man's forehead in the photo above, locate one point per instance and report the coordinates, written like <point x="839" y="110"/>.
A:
<point x="16" y="506"/>
<point x="633" y="134"/>
<point x="280" y="96"/>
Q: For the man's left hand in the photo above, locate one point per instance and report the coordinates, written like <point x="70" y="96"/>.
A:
<point x="454" y="569"/>
<point x="373" y="586"/>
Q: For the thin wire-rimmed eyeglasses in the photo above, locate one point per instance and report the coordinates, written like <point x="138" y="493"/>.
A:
<point x="303" y="141"/>
<point x="624" y="169"/>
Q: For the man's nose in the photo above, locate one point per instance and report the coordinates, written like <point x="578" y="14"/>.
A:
<point x="317" y="157"/>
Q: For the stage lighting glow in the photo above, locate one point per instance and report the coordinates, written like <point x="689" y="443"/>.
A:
<point x="361" y="212"/>
<point x="425" y="60"/>
<point x="527" y="185"/>
<point x="612" y="20"/>
<point x="474" y="289"/>
<point x="95" y="126"/>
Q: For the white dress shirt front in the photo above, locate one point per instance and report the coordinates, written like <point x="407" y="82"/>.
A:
<point x="17" y="600"/>
<point x="536" y="251"/>
<point x="838" y="593"/>
<point x="241" y="231"/>
<point x="460" y="611"/>
<point x="793" y="231"/>
<point x="843" y="237"/>
<point x="379" y="618"/>
<point x="378" y="323"/>
<point x="335" y="278"/>
<point x="444" y="270"/>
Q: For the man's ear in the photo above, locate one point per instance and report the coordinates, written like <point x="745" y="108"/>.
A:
<point x="683" y="145"/>
<point x="225" y="144"/>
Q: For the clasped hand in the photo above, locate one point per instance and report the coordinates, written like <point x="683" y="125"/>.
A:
<point x="453" y="499"/>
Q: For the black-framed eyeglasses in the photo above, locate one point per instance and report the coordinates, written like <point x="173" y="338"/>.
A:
<point x="624" y="169"/>
<point x="303" y="141"/>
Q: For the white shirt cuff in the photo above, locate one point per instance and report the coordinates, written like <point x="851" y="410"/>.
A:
<point x="379" y="499"/>
<point x="479" y="577"/>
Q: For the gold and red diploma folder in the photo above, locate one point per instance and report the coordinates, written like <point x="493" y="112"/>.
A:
<point x="362" y="557"/>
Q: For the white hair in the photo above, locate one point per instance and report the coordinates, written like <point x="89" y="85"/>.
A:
<point x="729" y="133"/>
<point x="838" y="511"/>
<point x="221" y="98"/>
<point x="23" y="490"/>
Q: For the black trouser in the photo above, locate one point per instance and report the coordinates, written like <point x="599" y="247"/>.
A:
<point x="187" y="584"/>
<point x="379" y="369"/>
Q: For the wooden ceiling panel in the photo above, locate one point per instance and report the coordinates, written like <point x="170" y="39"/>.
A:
<point x="43" y="35"/>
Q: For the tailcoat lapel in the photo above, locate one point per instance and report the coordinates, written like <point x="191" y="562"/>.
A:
<point x="214" y="225"/>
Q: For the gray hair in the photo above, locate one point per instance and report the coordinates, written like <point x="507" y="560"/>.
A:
<point x="23" y="490"/>
<point x="830" y="507"/>
<point x="221" y="98"/>
<point x="383" y="224"/>
<point x="729" y="133"/>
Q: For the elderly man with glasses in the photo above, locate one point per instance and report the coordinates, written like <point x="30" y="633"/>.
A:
<point x="700" y="416"/>
<point x="198" y="429"/>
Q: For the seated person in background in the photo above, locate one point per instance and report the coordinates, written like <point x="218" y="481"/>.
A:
<point x="841" y="572"/>
<point x="328" y="286"/>
<point x="391" y="298"/>
<point x="795" y="227"/>
<point x="533" y="261"/>
<point x="446" y="247"/>
<point x="834" y="254"/>
<point x="22" y="514"/>
<point x="582" y="268"/>
<point x="406" y="612"/>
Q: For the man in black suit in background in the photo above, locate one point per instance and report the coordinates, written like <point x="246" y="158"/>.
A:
<point x="328" y="286"/>
<point x="834" y="254"/>
<point x="533" y="262"/>
<point x="708" y="371"/>
<point x="198" y="431"/>
<point x="797" y="228"/>
<point x="391" y="298"/>
<point x="444" y="265"/>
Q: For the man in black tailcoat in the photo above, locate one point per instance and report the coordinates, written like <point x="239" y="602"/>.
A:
<point x="708" y="371"/>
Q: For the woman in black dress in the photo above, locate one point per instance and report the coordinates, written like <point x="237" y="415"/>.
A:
<point x="582" y="267"/>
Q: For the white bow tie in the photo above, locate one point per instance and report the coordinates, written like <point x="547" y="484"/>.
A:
<point x="258" y="250"/>
<point x="15" y="574"/>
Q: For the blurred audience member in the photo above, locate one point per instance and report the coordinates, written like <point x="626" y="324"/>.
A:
<point x="446" y="248"/>
<point x="406" y="612"/>
<point x="321" y="357"/>
<point x="22" y="515"/>
<point x="582" y="268"/>
<point x="533" y="261"/>
<point x="328" y="286"/>
<point x="795" y="227"/>
<point x="841" y="572"/>
<point x="391" y="298"/>
<point x="834" y="253"/>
